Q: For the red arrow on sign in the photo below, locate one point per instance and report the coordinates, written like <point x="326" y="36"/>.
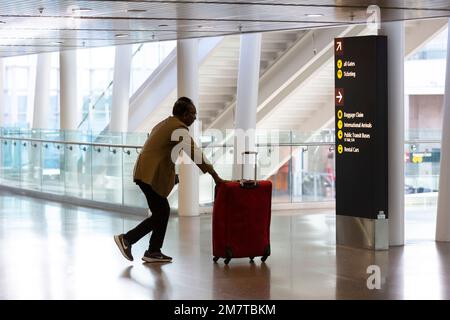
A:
<point x="339" y="45"/>
<point x="339" y="96"/>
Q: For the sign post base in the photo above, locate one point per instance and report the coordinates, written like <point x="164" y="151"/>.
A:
<point x="362" y="232"/>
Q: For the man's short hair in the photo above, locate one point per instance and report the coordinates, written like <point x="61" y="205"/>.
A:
<point x="181" y="106"/>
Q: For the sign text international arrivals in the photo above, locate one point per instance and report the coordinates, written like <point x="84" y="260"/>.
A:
<point x="361" y="126"/>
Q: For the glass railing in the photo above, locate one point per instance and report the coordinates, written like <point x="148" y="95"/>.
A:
<point x="69" y="163"/>
<point x="422" y="167"/>
<point x="301" y="166"/>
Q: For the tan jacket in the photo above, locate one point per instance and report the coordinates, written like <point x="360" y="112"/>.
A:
<point x="154" y="164"/>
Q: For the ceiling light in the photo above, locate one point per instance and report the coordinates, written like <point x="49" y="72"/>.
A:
<point x="314" y="15"/>
<point x="80" y="10"/>
<point x="136" y="10"/>
<point x="121" y="35"/>
<point x="56" y="42"/>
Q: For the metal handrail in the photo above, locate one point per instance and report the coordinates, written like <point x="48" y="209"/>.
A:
<point x="422" y="141"/>
<point x="205" y="145"/>
<point x="125" y="146"/>
<point x="140" y="146"/>
<point x="281" y="144"/>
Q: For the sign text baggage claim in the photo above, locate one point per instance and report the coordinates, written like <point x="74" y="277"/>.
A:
<point x="353" y="115"/>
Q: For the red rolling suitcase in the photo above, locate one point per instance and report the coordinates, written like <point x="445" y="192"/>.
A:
<point x="241" y="219"/>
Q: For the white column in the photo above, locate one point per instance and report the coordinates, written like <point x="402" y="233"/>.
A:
<point x="407" y="128"/>
<point x="187" y="82"/>
<point x="31" y="85"/>
<point x="395" y="31"/>
<point x="42" y="91"/>
<point x="69" y="116"/>
<point x="68" y="90"/>
<point x="2" y="100"/>
<point x="2" y="105"/>
<point x="246" y="100"/>
<point x="121" y="89"/>
<point x="443" y="209"/>
<point x="13" y="114"/>
<point x="119" y="112"/>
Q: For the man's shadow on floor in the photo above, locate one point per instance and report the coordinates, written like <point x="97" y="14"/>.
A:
<point x="160" y="289"/>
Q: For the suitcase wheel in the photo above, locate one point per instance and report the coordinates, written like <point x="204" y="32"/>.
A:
<point x="227" y="260"/>
<point x="266" y="253"/>
<point x="251" y="259"/>
<point x="215" y="259"/>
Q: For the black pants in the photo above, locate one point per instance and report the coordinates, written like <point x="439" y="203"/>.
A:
<point x="159" y="206"/>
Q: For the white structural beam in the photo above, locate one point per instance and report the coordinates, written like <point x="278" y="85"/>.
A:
<point x="443" y="210"/>
<point x="121" y="89"/>
<point x="419" y="32"/>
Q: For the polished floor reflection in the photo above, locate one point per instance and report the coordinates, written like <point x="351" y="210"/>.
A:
<point x="53" y="251"/>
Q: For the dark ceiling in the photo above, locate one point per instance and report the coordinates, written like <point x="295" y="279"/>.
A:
<point x="32" y="26"/>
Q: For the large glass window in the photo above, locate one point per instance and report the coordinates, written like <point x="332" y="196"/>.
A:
<point x="95" y="72"/>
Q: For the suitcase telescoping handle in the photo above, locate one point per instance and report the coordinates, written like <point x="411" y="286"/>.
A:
<point x="248" y="183"/>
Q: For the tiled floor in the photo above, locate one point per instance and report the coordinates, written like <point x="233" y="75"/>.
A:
<point x="54" y="251"/>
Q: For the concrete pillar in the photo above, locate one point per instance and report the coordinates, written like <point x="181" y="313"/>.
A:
<point x="14" y="107"/>
<point x="443" y="209"/>
<point x="2" y="100"/>
<point x="121" y="89"/>
<point x="407" y="128"/>
<point x="68" y="90"/>
<point x="2" y="108"/>
<point x="42" y="91"/>
<point x="40" y="111"/>
<point x="69" y="117"/>
<point x="395" y="31"/>
<point x="31" y="85"/>
<point x="119" y="114"/>
<point x="187" y="82"/>
<point x="246" y="102"/>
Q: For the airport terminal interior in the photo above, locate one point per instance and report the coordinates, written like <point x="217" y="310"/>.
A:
<point x="83" y="83"/>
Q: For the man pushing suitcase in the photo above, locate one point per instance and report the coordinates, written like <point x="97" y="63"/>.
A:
<point x="154" y="173"/>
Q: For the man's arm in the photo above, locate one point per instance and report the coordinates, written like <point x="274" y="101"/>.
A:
<point x="189" y="146"/>
<point x="202" y="162"/>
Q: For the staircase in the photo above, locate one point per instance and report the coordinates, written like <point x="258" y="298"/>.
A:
<point x="218" y="74"/>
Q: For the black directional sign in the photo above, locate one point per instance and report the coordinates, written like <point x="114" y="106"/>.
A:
<point x="361" y="126"/>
